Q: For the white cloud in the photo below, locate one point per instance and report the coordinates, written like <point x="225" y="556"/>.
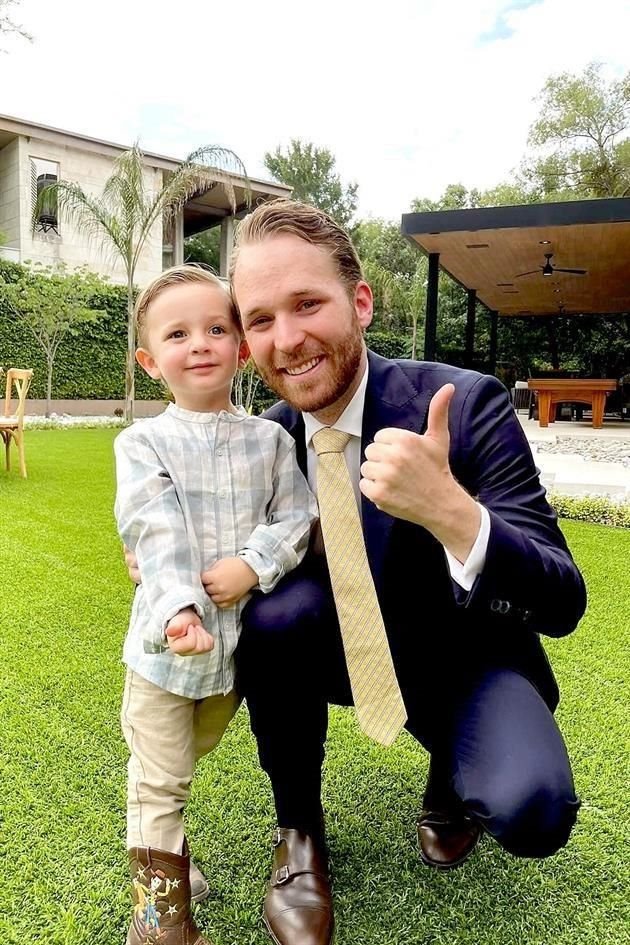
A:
<point x="407" y="94"/>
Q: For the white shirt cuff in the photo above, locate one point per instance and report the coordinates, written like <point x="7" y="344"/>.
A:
<point x="465" y="574"/>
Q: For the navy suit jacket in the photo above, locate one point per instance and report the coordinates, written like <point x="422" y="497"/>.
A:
<point x="529" y="584"/>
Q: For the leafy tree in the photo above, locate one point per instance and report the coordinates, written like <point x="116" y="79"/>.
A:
<point x="53" y="305"/>
<point x="128" y="211"/>
<point x="390" y="264"/>
<point x="583" y="133"/>
<point x="204" y="248"/>
<point x="310" y="171"/>
<point x="455" y="197"/>
<point x="246" y="386"/>
<point x="458" y="197"/>
<point x="7" y="24"/>
<point x="381" y="241"/>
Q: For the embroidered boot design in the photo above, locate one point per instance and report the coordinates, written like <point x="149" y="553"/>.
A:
<point x="162" y="905"/>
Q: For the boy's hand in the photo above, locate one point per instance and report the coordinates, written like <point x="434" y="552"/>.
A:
<point x="228" y="580"/>
<point x="186" y="635"/>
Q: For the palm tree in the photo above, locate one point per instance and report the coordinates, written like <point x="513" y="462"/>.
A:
<point x="122" y="217"/>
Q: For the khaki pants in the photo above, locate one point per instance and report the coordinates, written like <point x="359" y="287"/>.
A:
<point x="166" y="735"/>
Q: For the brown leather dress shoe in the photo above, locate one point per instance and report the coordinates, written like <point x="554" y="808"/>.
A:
<point x="298" y="905"/>
<point x="446" y="839"/>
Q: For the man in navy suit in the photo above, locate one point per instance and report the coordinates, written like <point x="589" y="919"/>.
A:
<point x="469" y="565"/>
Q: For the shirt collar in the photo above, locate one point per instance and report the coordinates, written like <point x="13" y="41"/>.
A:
<point x="207" y="416"/>
<point x="350" y="421"/>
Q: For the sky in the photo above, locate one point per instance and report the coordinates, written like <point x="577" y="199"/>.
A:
<point x="409" y="95"/>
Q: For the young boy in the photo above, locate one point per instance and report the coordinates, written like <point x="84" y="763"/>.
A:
<point x="202" y="484"/>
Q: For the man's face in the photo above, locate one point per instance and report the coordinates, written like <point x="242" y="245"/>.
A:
<point x="304" y="332"/>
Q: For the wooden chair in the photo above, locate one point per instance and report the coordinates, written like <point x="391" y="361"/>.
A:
<point x="522" y="397"/>
<point x="12" y="424"/>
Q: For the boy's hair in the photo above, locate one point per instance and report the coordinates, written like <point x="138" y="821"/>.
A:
<point x="308" y="224"/>
<point x="177" y="275"/>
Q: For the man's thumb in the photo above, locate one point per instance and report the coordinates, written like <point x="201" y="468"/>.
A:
<point x="437" y="422"/>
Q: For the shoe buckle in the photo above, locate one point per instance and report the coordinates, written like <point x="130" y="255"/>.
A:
<point x="276" y="840"/>
<point x="283" y="874"/>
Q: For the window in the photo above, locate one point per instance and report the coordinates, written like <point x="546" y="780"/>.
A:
<point x="43" y="174"/>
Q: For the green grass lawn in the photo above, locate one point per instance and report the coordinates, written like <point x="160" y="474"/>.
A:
<point x="64" y="602"/>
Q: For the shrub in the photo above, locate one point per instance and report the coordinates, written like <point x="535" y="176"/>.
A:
<point x="597" y="509"/>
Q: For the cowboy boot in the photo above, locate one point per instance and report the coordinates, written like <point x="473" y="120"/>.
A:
<point x="162" y="899"/>
<point x="199" y="888"/>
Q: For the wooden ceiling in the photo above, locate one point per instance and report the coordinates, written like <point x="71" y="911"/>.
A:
<point x="486" y="249"/>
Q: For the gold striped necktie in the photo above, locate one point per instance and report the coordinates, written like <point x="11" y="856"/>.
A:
<point x="377" y="698"/>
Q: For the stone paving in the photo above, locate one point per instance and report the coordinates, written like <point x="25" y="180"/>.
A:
<point x="575" y="459"/>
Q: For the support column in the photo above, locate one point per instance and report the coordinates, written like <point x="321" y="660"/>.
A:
<point x="494" y="329"/>
<point x="470" y="328"/>
<point x="225" y="248"/>
<point x="430" y="323"/>
<point x="178" y="239"/>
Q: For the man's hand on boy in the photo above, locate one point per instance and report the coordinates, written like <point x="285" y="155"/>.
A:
<point x="186" y="635"/>
<point x="228" y="580"/>
<point x="132" y="565"/>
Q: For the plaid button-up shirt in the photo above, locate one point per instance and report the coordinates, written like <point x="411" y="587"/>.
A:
<point x="193" y="488"/>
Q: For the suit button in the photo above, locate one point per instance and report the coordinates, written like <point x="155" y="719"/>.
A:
<point x="500" y="606"/>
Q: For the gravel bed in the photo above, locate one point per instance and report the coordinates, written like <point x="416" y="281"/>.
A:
<point x="592" y="449"/>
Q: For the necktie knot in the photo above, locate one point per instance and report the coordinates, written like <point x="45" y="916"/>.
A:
<point x="328" y="440"/>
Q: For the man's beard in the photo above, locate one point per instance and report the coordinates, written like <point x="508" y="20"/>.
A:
<point x="342" y="366"/>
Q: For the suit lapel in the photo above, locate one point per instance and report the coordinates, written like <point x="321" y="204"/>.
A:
<point x="391" y="400"/>
<point x="295" y="426"/>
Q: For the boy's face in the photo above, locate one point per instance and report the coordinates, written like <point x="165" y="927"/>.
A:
<point x="304" y="331"/>
<point x="193" y="345"/>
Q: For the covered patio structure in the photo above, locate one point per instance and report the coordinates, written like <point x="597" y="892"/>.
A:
<point x="542" y="260"/>
<point x="212" y="209"/>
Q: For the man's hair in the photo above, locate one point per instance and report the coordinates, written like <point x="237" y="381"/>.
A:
<point x="308" y="224"/>
<point x="177" y="275"/>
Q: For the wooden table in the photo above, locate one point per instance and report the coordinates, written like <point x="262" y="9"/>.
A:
<point x="582" y="390"/>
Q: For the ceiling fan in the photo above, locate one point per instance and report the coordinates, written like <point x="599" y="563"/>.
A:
<point x="548" y="269"/>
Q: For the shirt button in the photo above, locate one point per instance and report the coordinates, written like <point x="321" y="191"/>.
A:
<point x="219" y="452"/>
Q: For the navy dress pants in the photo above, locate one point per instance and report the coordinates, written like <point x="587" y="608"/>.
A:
<point x="495" y="748"/>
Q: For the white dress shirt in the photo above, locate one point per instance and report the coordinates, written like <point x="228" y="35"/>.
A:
<point x="351" y="422"/>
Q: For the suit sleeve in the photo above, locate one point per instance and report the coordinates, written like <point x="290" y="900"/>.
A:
<point x="529" y="575"/>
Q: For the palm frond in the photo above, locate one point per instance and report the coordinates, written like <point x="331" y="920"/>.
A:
<point x="193" y="178"/>
<point x="127" y="195"/>
<point x="92" y="214"/>
<point x="126" y="186"/>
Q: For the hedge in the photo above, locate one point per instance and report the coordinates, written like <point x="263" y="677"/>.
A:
<point x="597" y="509"/>
<point x="90" y="366"/>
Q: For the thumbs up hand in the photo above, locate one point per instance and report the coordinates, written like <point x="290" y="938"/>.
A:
<point x="408" y="476"/>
